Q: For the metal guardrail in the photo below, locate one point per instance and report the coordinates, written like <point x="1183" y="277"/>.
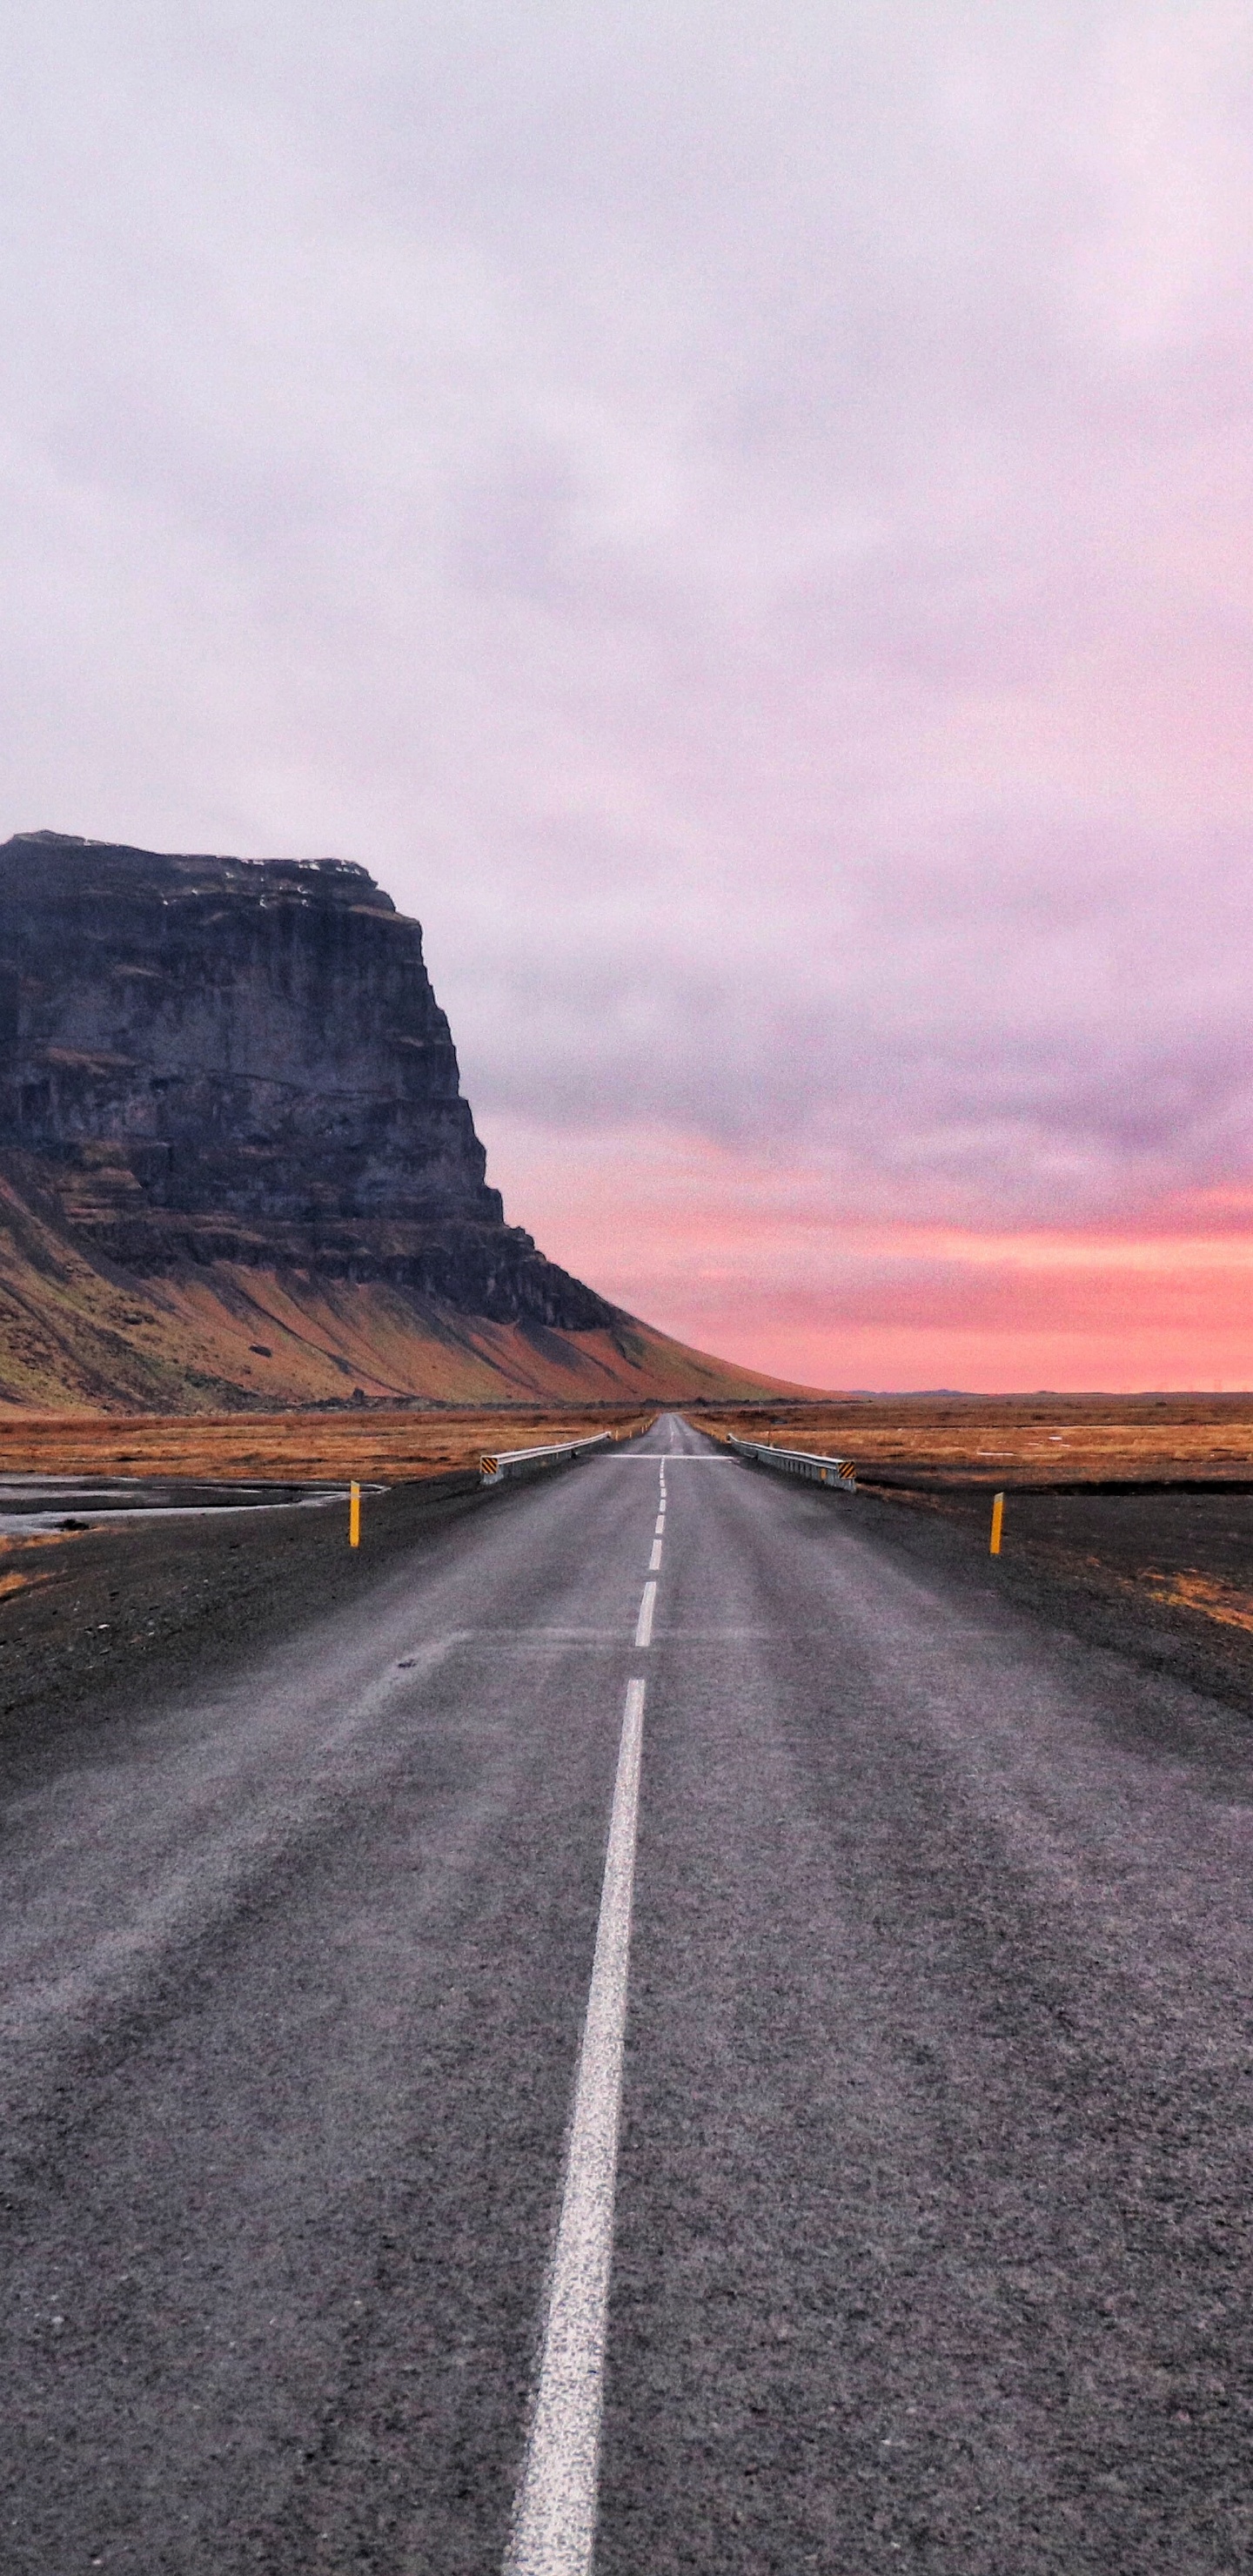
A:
<point x="501" y="1464"/>
<point x="799" y="1462"/>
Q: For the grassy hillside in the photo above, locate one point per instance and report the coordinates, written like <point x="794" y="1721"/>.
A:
<point x="78" y="1334"/>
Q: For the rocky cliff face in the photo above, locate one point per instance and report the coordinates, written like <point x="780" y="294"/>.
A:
<point x="228" y="1060"/>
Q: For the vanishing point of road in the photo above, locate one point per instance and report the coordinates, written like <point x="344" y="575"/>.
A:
<point x="668" y="2029"/>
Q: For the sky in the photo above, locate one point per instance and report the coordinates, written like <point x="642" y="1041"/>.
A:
<point x="740" y="517"/>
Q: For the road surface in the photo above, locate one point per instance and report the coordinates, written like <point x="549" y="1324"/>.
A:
<point x="931" y="2202"/>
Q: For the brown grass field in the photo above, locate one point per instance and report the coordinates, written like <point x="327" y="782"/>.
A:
<point x="289" y="1448"/>
<point x="1141" y="1503"/>
<point x="993" y="1440"/>
<point x="1089" y="1478"/>
<point x="1008" y="1440"/>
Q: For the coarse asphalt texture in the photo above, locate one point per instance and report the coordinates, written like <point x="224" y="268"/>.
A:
<point x="933" y="2203"/>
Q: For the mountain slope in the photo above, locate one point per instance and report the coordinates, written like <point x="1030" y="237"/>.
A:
<point x="236" y="1166"/>
<point x="77" y="1332"/>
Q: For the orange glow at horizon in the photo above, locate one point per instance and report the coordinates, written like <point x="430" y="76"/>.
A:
<point x="753" y="1261"/>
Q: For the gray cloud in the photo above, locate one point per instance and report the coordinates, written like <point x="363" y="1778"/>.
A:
<point x="740" y="517"/>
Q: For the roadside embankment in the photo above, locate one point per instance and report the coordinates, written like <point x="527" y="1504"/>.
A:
<point x="124" y="1613"/>
<point x="1164" y="1577"/>
<point x="150" y="1605"/>
<point x="1130" y="1519"/>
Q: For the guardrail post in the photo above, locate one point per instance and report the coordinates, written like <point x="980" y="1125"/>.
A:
<point x="507" y="1463"/>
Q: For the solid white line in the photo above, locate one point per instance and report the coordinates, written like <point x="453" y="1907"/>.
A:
<point x="655" y="1559"/>
<point x="554" y="2521"/>
<point x="644" y="1623"/>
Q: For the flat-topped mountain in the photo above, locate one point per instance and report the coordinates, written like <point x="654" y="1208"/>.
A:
<point x="229" y="1095"/>
<point x="242" y="1060"/>
<point x="255" y="1036"/>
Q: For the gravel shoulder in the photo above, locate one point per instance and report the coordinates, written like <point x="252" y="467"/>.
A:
<point x="1163" y="1577"/>
<point x="114" y="1619"/>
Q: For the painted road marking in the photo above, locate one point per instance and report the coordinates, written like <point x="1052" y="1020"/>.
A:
<point x="555" y="2515"/>
<point x="661" y="1523"/>
<point x="655" y="1559"/>
<point x="644" y="1623"/>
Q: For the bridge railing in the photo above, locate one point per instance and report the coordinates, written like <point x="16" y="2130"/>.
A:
<point x="841" y="1472"/>
<point x="498" y="1466"/>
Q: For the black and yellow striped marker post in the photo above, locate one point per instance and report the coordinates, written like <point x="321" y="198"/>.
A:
<point x="998" y="1515"/>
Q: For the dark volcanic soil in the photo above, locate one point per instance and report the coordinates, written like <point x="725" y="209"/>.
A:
<point x="1116" y="1567"/>
<point x="126" y="1614"/>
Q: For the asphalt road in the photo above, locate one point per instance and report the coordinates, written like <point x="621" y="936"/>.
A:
<point x="933" y="2194"/>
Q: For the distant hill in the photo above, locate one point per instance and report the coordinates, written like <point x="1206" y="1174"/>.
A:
<point x="236" y="1167"/>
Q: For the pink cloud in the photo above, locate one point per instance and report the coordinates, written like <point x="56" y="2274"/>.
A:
<point x="745" y="1257"/>
<point x="751" y="542"/>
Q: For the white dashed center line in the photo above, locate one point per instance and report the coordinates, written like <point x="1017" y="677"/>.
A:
<point x="655" y="1559"/>
<point x="644" y="1623"/>
<point x="555" y="2515"/>
<point x="661" y="1523"/>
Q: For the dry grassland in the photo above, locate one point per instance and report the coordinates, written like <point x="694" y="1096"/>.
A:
<point x="1213" y="1599"/>
<point x="1132" y="1499"/>
<point x="1041" y="1440"/>
<point x="288" y="1448"/>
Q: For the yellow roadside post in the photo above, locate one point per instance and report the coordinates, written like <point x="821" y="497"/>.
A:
<point x="998" y="1515"/>
<point x="354" y="1514"/>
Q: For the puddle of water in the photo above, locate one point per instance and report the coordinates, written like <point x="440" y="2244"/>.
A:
<point x="33" y="1503"/>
